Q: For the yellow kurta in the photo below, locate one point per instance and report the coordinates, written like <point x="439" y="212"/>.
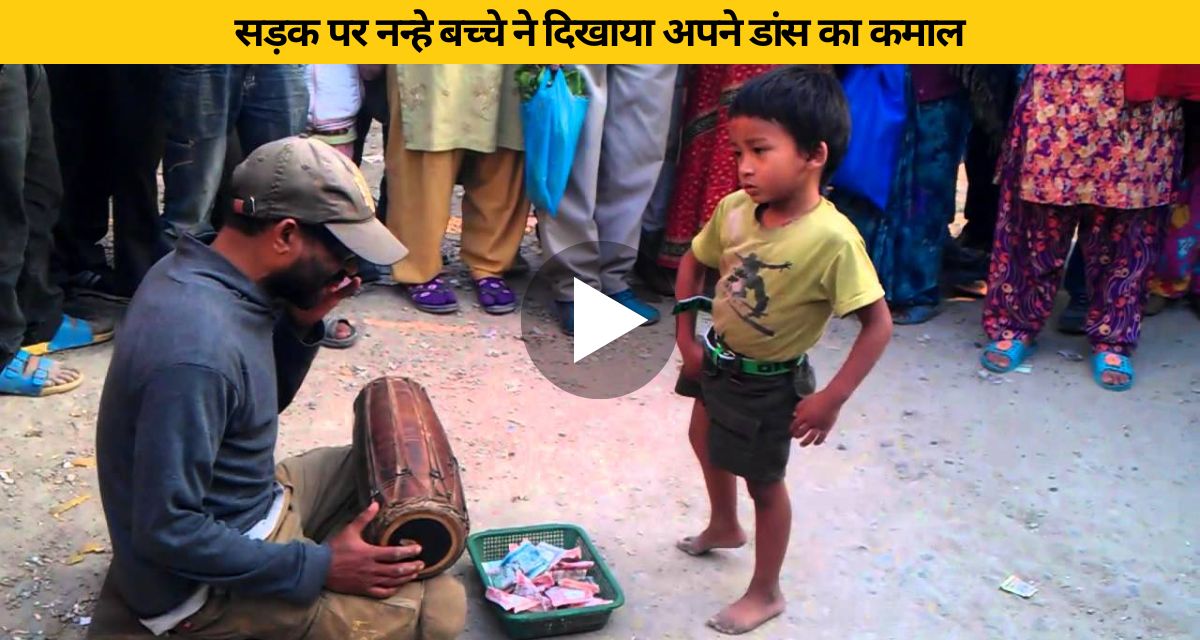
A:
<point x="459" y="106"/>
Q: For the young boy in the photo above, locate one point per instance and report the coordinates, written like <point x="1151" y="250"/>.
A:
<point x="788" y="260"/>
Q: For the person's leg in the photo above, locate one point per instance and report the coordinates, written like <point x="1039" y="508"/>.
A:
<point x="421" y="185"/>
<point x="659" y="279"/>
<point x="983" y="194"/>
<point x="197" y="102"/>
<point x="1027" y="262"/>
<point x="723" y="530"/>
<point x="40" y="297"/>
<point x="14" y="223"/>
<point x="20" y="371"/>
<point x="495" y="210"/>
<point x="223" y="201"/>
<point x="772" y="529"/>
<point x="274" y="105"/>
<point x="1073" y="318"/>
<point x="324" y="489"/>
<point x="575" y="223"/>
<point x="941" y="132"/>
<point x="654" y="220"/>
<point x="372" y="89"/>
<point x="324" y="493"/>
<point x="631" y="158"/>
<point x="138" y="133"/>
<point x="1119" y="250"/>
<point x="81" y="117"/>
<point x="375" y="102"/>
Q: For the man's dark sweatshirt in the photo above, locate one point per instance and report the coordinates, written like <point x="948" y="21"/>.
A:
<point x="185" y="442"/>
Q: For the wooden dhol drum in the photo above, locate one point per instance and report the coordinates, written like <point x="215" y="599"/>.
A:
<point x="411" y="472"/>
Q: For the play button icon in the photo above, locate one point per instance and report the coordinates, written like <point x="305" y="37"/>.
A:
<point x="611" y="353"/>
<point x="599" y="320"/>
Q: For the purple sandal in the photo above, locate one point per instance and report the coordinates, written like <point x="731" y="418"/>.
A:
<point x="434" y="296"/>
<point x="494" y="295"/>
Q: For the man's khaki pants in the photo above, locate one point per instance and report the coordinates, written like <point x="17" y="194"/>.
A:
<point x="321" y="499"/>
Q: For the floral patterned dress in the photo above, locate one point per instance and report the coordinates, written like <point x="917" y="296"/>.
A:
<point x="1079" y="157"/>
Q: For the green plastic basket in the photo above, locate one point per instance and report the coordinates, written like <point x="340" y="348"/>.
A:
<point x="489" y="546"/>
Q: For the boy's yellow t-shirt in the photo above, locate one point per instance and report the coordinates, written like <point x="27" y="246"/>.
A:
<point x="779" y="287"/>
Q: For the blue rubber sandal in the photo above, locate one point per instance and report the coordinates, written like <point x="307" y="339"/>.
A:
<point x="72" y="333"/>
<point x="15" y="382"/>
<point x="1015" y="350"/>
<point x="1108" y="362"/>
<point x="635" y="304"/>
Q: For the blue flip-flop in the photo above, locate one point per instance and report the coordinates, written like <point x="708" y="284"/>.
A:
<point x="15" y="382"/>
<point x="73" y="333"/>
<point x="1108" y="362"/>
<point x="1015" y="350"/>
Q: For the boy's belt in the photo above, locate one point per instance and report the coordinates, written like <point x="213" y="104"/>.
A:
<point x="727" y="359"/>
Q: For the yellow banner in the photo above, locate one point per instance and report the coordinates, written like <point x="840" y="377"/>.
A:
<point x="616" y="31"/>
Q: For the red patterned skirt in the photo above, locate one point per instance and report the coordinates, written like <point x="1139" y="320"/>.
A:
<point x="707" y="168"/>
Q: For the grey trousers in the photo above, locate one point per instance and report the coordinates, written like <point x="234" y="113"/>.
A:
<point x="655" y="218"/>
<point x="617" y="163"/>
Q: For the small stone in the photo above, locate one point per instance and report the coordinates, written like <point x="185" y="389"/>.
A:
<point x="841" y="447"/>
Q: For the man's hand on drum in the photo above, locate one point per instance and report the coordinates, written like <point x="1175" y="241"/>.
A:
<point x="363" y="569"/>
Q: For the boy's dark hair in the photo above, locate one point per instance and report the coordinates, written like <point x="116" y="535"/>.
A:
<point x="807" y="102"/>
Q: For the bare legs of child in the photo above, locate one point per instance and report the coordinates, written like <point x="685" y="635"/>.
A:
<point x="723" y="531"/>
<point x="764" y="599"/>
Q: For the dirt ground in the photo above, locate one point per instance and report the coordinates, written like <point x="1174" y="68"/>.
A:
<point x="937" y="484"/>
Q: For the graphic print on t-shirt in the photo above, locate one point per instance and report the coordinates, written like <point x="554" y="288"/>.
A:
<point x="748" y="291"/>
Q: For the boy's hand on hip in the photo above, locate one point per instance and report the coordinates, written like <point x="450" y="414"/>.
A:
<point x="363" y="569"/>
<point x="814" y="418"/>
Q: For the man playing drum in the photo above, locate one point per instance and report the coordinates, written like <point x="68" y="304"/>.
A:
<point x="210" y="538"/>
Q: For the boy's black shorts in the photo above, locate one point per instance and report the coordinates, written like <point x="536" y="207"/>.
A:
<point x="750" y="418"/>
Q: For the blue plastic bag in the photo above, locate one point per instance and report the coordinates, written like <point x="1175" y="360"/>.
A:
<point x="878" y="109"/>
<point x="552" y="120"/>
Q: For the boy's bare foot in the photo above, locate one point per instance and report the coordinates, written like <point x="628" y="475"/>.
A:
<point x="747" y="614"/>
<point x="710" y="539"/>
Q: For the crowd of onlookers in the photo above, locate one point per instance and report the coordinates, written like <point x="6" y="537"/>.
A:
<point x="1083" y="171"/>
